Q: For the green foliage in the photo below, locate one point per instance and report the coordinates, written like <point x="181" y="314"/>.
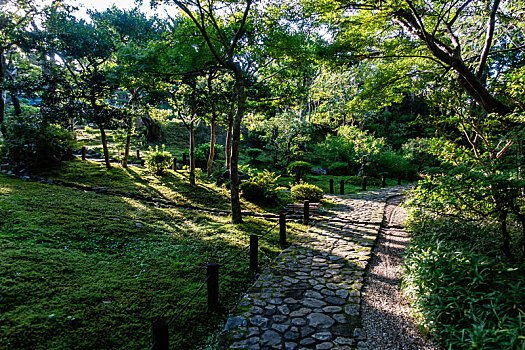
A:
<point x="36" y="143"/>
<point x="283" y="136"/>
<point x="305" y="191"/>
<point x="261" y="187"/>
<point x="358" y="181"/>
<point x="467" y="297"/>
<point x="202" y="152"/>
<point x="299" y="170"/>
<point x="253" y="153"/>
<point x="158" y="161"/>
<point x="339" y="168"/>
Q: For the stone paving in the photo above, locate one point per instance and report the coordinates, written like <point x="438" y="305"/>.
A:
<point x="310" y="298"/>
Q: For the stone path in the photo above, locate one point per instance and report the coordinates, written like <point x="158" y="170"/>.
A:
<point x="310" y="298"/>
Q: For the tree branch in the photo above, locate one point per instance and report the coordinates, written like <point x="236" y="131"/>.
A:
<point x="488" y="39"/>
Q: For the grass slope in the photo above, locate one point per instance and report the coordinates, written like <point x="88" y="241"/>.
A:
<point x="80" y="270"/>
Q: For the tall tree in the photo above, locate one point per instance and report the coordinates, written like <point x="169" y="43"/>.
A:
<point x="223" y="41"/>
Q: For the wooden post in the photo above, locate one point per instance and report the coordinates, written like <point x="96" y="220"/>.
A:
<point x="364" y="184"/>
<point x="254" y="252"/>
<point x="138" y="154"/>
<point x="212" y="271"/>
<point x="331" y="186"/>
<point x="306" y="218"/>
<point x="83" y="152"/>
<point x="282" y="229"/>
<point x="383" y="180"/>
<point x="399" y="179"/>
<point x="184" y="159"/>
<point x="342" y="187"/>
<point x="160" y="335"/>
<point x="174" y="165"/>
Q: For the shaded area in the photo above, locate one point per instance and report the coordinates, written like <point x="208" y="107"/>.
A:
<point x="386" y="314"/>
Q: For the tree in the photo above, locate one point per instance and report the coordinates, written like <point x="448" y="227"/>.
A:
<point x="84" y="51"/>
<point x="224" y="42"/>
<point x="15" y="16"/>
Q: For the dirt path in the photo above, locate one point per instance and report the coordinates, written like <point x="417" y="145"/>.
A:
<point x="386" y="314"/>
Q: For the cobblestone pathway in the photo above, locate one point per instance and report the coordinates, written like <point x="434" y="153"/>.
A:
<point x="310" y="298"/>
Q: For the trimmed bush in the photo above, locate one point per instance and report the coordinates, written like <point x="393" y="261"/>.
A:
<point x="299" y="170"/>
<point x="158" y="160"/>
<point x="304" y="191"/>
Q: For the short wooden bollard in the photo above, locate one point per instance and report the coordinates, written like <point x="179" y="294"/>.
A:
<point x="138" y="154"/>
<point x="212" y="272"/>
<point x="399" y="180"/>
<point x="254" y="252"/>
<point x="83" y="152"/>
<point x="331" y="186"/>
<point x="160" y="335"/>
<point x="174" y="164"/>
<point x="306" y="217"/>
<point x="363" y="187"/>
<point x="383" y="181"/>
<point x="184" y="159"/>
<point x="282" y="229"/>
<point x="342" y="187"/>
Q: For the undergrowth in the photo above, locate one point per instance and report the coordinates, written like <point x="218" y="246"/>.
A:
<point x="465" y="294"/>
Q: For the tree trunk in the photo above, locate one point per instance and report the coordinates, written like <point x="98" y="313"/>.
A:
<point x="228" y="144"/>
<point x="126" y="151"/>
<point x="213" y="127"/>
<point x="105" y="146"/>
<point x="2" y="93"/>
<point x="505" y="233"/>
<point x="235" y="143"/>
<point x="192" y="150"/>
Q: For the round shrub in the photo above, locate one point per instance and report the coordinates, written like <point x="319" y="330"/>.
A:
<point x="35" y="143"/>
<point x="299" y="169"/>
<point x="158" y="160"/>
<point x="304" y="191"/>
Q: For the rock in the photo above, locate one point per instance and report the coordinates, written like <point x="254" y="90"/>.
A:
<point x="320" y="321"/>
<point x="271" y="338"/>
<point x="235" y="322"/>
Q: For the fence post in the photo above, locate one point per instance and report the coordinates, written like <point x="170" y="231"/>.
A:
<point x="83" y="152"/>
<point x="383" y="180"/>
<point x="306" y="219"/>
<point x="399" y="179"/>
<point x="174" y="165"/>
<point x="254" y="252"/>
<point x="184" y="158"/>
<point x="160" y="335"/>
<point x="212" y="271"/>
<point x="342" y="187"/>
<point x="331" y="186"/>
<point x="364" y="184"/>
<point x="138" y="154"/>
<point x="282" y="229"/>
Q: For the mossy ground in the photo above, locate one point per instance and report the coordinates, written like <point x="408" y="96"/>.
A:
<point x="81" y="270"/>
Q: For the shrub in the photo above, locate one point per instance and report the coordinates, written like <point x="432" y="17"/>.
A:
<point x="358" y="181"/>
<point x="158" y="160"/>
<point x="339" y="168"/>
<point x="305" y="191"/>
<point x="202" y="152"/>
<point x="299" y="170"/>
<point x="253" y="153"/>
<point x="36" y="143"/>
<point x="466" y="296"/>
<point x="260" y="186"/>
